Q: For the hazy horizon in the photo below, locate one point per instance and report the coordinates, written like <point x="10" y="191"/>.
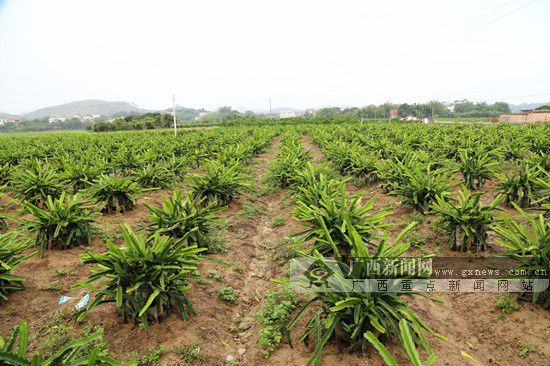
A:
<point x="299" y="54"/>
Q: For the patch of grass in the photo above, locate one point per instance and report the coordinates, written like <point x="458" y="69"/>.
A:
<point x="61" y="272"/>
<point x="285" y="250"/>
<point x="268" y="245"/>
<point x="525" y="349"/>
<point x="250" y="211"/>
<point x="241" y="234"/>
<point x="113" y="236"/>
<point x="416" y="240"/>
<point x="506" y="305"/>
<point x="217" y="243"/>
<point x="51" y="286"/>
<point x="416" y="217"/>
<point x="274" y="318"/>
<point x="202" y="281"/>
<point x="152" y="358"/>
<point x="237" y="267"/>
<point x="57" y="345"/>
<point x="223" y="224"/>
<point x="57" y="336"/>
<point x="215" y="275"/>
<point x="218" y="247"/>
<point x="54" y="321"/>
<point x="263" y="190"/>
<point x="190" y="353"/>
<point x="277" y="222"/>
<point x="239" y="326"/>
<point x="228" y="294"/>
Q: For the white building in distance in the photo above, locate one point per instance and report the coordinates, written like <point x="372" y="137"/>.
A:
<point x="56" y="119"/>
<point x="200" y="116"/>
<point x="9" y="119"/>
<point x="290" y="114"/>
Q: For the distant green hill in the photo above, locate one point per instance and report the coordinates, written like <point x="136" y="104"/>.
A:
<point x="519" y="107"/>
<point x="86" y="107"/>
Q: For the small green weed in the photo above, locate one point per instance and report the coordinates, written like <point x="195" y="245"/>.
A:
<point x="190" y="353"/>
<point x="250" y="211"/>
<point x="506" y="305"/>
<point x="237" y="268"/>
<point x="51" y="286"/>
<point x="525" y="349"/>
<point x="215" y="275"/>
<point x="152" y="358"/>
<point x="277" y="222"/>
<point x="228" y="294"/>
<point x="274" y="317"/>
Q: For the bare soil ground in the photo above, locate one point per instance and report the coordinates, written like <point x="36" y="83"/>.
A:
<point x="255" y="255"/>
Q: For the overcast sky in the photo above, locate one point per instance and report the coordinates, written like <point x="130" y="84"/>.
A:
<point x="300" y="53"/>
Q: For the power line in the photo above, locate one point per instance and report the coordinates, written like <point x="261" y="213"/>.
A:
<point x="432" y="45"/>
<point x="470" y="11"/>
<point x="174" y="111"/>
<point x="446" y="36"/>
<point x="484" y="15"/>
<point x="502" y="16"/>
<point x="494" y="20"/>
<point x="525" y="96"/>
<point x="453" y="20"/>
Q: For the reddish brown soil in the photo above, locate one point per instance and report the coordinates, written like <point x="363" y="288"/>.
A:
<point x="466" y="319"/>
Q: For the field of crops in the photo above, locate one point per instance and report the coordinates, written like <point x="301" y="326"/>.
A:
<point x="145" y="248"/>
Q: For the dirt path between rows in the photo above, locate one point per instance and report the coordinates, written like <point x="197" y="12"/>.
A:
<point x="222" y="330"/>
<point x="308" y="143"/>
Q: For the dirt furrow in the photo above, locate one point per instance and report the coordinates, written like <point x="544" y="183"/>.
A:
<point x="308" y="143"/>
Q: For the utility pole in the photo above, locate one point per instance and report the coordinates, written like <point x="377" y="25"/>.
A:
<point x="270" y="116"/>
<point x="433" y="114"/>
<point x="174" y="111"/>
<point x="425" y="113"/>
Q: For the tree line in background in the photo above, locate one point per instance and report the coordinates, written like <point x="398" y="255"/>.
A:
<point x="122" y="121"/>
<point x="147" y="121"/>
<point x="462" y="109"/>
<point x="43" y="124"/>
